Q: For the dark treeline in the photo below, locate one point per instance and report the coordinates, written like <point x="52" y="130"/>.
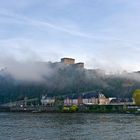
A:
<point x="65" y="80"/>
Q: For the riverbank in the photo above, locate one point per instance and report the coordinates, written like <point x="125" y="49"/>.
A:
<point x="74" y="109"/>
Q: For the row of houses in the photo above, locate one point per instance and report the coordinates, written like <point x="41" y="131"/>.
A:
<point x="89" y="98"/>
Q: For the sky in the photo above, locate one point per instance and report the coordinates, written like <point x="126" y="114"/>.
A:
<point x="101" y="33"/>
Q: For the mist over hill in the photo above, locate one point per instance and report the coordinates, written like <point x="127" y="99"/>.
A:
<point x="34" y="79"/>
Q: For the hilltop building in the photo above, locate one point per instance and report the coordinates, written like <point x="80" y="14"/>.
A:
<point x="71" y="61"/>
<point x="80" y="65"/>
<point x="68" y="61"/>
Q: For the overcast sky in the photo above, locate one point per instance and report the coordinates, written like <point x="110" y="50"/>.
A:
<point x="101" y="33"/>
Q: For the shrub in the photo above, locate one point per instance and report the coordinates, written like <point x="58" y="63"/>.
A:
<point x="65" y="109"/>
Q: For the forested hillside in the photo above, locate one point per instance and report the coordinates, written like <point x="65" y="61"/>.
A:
<point x="67" y="79"/>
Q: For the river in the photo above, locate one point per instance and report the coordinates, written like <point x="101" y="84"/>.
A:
<point x="78" y="126"/>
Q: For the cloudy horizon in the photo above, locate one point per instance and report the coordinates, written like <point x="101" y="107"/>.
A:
<point x="102" y="34"/>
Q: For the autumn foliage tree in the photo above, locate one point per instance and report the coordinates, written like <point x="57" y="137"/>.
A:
<point x="136" y="96"/>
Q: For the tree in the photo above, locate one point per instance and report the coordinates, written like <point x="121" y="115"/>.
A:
<point x="74" y="108"/>
<point x="136" y="96"/>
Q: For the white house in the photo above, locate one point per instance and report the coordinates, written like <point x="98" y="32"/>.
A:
<point x="47" y="101"/>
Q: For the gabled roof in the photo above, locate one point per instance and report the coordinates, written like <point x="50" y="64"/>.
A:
<point x="91" y="95"/>
<point x="121" y="100"/>
<point x="85" y="95"/>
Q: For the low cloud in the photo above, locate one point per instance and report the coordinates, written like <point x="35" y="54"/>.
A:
<point x="25" y="71"/>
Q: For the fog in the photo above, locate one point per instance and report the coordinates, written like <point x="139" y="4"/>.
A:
<point x="38" y="71"/>
<point x="23" y="70"/>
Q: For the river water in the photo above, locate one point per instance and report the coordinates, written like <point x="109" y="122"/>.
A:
<point x="79" y="126"/>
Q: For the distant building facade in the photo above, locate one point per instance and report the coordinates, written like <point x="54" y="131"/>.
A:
<point x="47" y="101"/>
<point x="71" y="61"/>
<point x="87" y="99"/>
<point x="103" y="100"/>
<point x="68" y="61"/>
<point x="79" y="65"/>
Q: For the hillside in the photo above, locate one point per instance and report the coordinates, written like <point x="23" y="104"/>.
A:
<point x="66" y="79"/>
